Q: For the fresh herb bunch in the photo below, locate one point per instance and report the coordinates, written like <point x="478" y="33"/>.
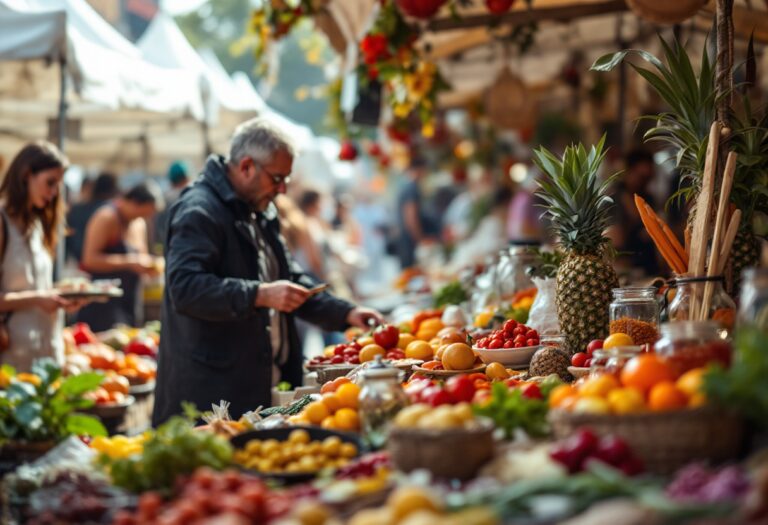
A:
<point x="509" y="410"/>
<point x="743" y="387"/>
<point x="47" y="410"/>
<point x="174" y="449"/>
<point x="546" y="264"/>
<point x="451" y="293"/>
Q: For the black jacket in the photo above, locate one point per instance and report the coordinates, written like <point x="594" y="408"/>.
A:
<point x="215" y="344"/>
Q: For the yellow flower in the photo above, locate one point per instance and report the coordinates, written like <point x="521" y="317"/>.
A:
<point x="402" y="109"/>
<point x="428" y="129"/>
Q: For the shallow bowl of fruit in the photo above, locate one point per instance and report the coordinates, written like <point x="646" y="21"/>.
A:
<point x="294" y="454"/>
<point x="511" y="345"/>
<point x="111" y="409"/>
<point x="439" y="370"/>
<point x="513" y="357"/>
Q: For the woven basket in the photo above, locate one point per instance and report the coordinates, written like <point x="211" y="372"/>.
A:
<point x="454" y="453"/>
<point x="665" y="441"/>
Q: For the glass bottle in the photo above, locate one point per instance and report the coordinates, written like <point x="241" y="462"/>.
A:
<point x="381" y="398"/>
<point x="693" y="344"/>
<point x="635" y="311"/>
<point x="753" y="303"/>
<point x="690" y="294"/>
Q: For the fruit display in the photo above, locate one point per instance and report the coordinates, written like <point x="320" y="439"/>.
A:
<point x="119" y="446"/>
<point x="441" y="417"/>
<point x="295" y="455"/>
<point x="646" y="383"/>
<point x="511" y="335"/>
<point x="579" y="208"/>
<point x="576" y="451"/>
<point x="335" y="409"/>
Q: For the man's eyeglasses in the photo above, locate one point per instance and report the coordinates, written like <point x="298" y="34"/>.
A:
<point x="276" y="179"/>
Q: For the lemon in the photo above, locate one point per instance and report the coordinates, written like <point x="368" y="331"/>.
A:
<point x="617" y="339"/>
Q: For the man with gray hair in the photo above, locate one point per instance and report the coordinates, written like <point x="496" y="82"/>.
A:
<point x="233" y="290"/>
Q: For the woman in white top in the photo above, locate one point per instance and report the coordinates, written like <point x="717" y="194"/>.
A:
<point x="31" y="212"/>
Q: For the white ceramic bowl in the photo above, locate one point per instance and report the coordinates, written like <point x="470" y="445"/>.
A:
<point x="507" y="356"/>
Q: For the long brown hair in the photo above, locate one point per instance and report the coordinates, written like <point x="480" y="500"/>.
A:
<point x="32" y="159"/>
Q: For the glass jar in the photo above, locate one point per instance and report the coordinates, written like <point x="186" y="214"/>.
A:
<point x="513" y="266"/>
<point x="618" y="357"/>
<point x="635" y="311"/>
<point x="693" y="344"/>
<point x="381" y="398"/>
<point x="552" y="341"/>
<point x="753" y="303"/>
<point x="599" y="362"/>
<point x="690" y="293"/>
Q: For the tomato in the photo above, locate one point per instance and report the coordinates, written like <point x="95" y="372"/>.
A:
<point x="531" y="334"/>
<point x="596" y="344"/>
<point x="339" y="349"/>
<point x="579" y="359"/>
<point x="386" y="335"/>
<point x="495" y="343"/>
<point x="83" y="334"/>
<point x="509" y="326"/>
<point x="520" y="330"/>
<point x="509" y="344"/>
<point x="461" y="388"/>
<point x="532" y="391"/>
<point x="520" y="339"/>
<point x="436" y="396"/>
<point x="141" y="346"/>
<point x="532" y="342"/>
<point x="337" y="359"/>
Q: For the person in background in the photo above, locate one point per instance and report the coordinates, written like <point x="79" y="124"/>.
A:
<point x="32" y="210"/>
<point x="488" y="238"/>
<point x="635" y="247"/>
<point x="116" y="248"/>
<point x="233" y="291"/>
<point x="314" y="258"/>
<point x="524" y="218"/>
<point x="178" y="176"/>
<point x="103" y="189"/>
<point x="415" y="224"/>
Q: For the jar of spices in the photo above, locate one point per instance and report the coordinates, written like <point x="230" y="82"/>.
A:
<point x="381" y="398"/>
<point x="635" y="311"/>
<point x="693" y="344"/>
<point x="692" y="294"/>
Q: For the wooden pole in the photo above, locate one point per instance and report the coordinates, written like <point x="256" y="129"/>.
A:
<point x="724" y="59"/>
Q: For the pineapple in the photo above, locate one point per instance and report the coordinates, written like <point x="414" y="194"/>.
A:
<point x="578" y="207"/>
<point x="745" y="253"/>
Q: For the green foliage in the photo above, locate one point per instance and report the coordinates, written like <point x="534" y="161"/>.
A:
<point x="743" y="387"/>
<point x="175" y="448"/>
<point x="750" y="141"/>
<point x="691" y="100"/>
<point x="546" y="264"/>
<point x="577" y="201"/>
<point x="48" y="411"/>
<point x="451" y="293"/>
<point x="509" y="410"/>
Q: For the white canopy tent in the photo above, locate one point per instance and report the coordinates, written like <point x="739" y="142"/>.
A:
<point x="117" y="97"/>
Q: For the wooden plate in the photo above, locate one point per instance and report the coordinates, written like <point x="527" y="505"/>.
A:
<point x="447" y="373"/>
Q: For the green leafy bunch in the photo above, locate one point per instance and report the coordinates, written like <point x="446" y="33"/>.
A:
<point x="174" y="449"/>
<point x="510" y="410"/>
<point x="691" y="99"/>
<point x="48" y="411"/>
<point x="577" y="201"/>
<point x="546" y="264"/>
<point x="451" y="293"/>
<point x="742" y="387"/>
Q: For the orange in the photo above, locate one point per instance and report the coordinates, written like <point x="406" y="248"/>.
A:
<point x="331" y="401"/>
<point x="440" y="350"/>
<point x="691" y="382"/>
<point x="646" y="370"/>
<point x="430" y="365"/>
<point x="316" y="411"/>
<point x="329" y="422"/>
<point x="369" y="352"/>
<point x="599" y="386"/>
<point x="617" y="339"/>
<point x="347" y="394"/>
<point x="432" y="324"/>
<point x="666" y="396"/>
<point x="558" y="394"/>
<point x="458" y="356"/>
<point x="346" y="419"/>
<point x="496" y="371"/>
<point x="626" y="401"/>
<point x="419" y="350"/>
<point x="403" y="340"/>
<point x="332" y="386"/>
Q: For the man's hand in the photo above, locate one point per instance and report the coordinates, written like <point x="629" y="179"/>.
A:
<point x="283" y="296"/>
<point x="364" y="317"/>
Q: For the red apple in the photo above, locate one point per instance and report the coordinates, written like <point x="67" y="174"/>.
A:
<point x="386" y="336"/>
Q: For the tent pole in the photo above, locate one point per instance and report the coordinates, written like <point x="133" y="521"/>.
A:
<point x="62" y="121"/>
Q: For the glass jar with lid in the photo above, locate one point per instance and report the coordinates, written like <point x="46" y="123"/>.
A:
<point x="513" y="276"/>
<point x="635" y="311"/>
<point x="612" y="360"/>
<point x="693" y="344"/>
<point x="381" y="398"/>
<point x="692" y="294"/>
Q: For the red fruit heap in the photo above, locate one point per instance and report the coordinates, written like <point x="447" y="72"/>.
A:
<point x="511" y="335"/>
<point x="584" y="446"/>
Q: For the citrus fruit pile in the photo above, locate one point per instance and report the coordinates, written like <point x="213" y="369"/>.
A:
<point x="336" y="409"/>
<point x="297" y="454"/>
<point x="647" y="383"/>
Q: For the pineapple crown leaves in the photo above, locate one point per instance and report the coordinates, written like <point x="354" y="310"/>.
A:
<point x="576" y="200"/>
<point x="691" y="100"/>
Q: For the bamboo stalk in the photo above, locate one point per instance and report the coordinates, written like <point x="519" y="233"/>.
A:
<point x="700" y="232"/>
<point x="722" y="210"/>
<point x="730" y="235"/>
